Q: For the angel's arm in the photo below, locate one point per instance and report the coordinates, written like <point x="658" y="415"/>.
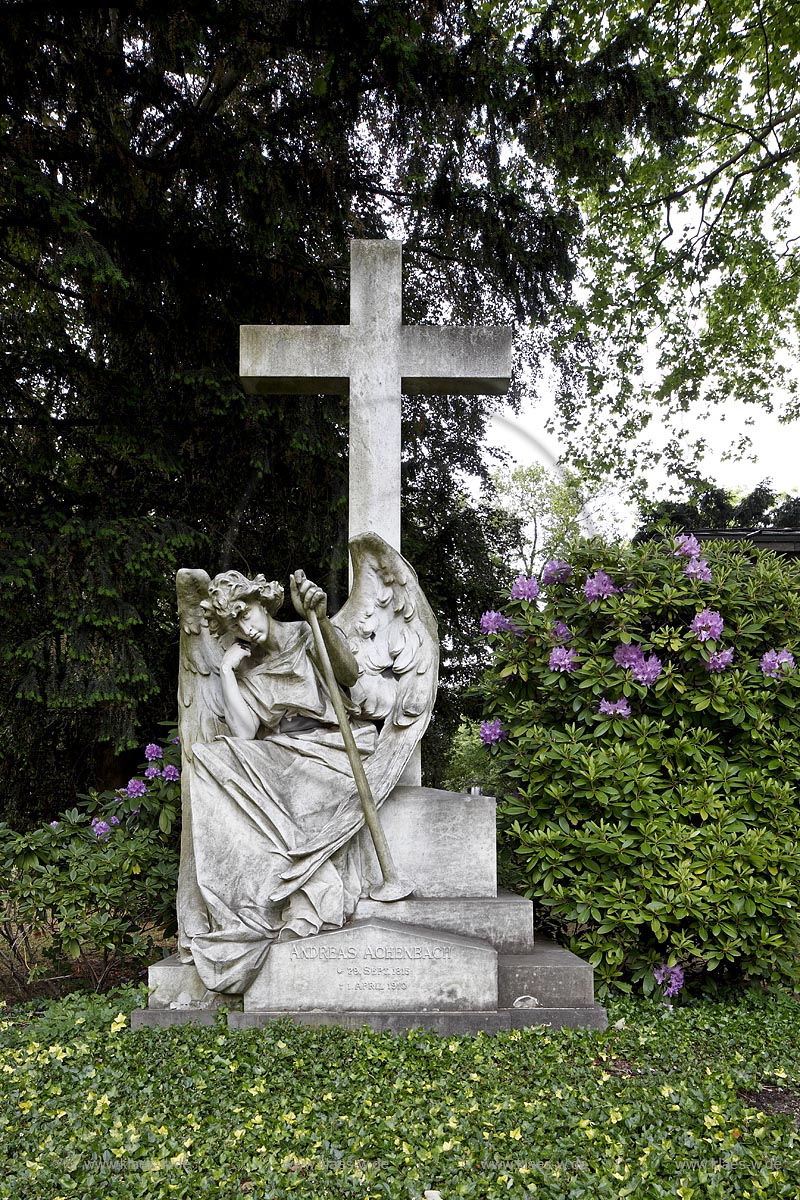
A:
<point x="307" y="596"/>
<point x="242" y="721"/>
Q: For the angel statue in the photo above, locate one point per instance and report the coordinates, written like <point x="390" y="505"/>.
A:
<point x="271" y="846"/>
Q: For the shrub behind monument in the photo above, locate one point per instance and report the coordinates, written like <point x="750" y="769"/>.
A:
<point x="652" y="758"/>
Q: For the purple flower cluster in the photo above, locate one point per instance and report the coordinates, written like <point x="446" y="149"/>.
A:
<point x="647" y="671"/>
<point x="557" y="570"/>
<point x="524" y="588"/>
<point x="152" y="772"/>
<point x="495" y="622"/>
<point x="135" y="788"/>
<point x="628" y="655"/>
<point x="777" y="662"/>
<point x="686" y="545"/>
<point x="619" y="708"/>
<point x="631" y="657"/>
<point x="599" y="586"/>
<point x="170" y="773"/>
<point x="492" y="732"/>
<point x="562" y="659"/>
<point x="669" y="979"/>
<point x="719" y="661"/>
<point x="708" y="624"/>
<point x="152" y="751"/>
<point x="559" y="632"/>
<point x="698" y="568"/>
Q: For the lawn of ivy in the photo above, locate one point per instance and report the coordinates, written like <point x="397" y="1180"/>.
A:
<point x="665" y="1103"/>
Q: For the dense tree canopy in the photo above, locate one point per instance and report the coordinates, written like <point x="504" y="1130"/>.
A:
<point x="614" y="182"/>
<point x="690" y="281"/>
<point x="174" y="170"/>
<point x="709" y="507"/>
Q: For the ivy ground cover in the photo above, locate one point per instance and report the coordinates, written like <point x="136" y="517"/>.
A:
<point x="668" y="1102"/>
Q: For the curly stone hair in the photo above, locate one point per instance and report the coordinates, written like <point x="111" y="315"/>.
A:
<point x="231" y="592"/>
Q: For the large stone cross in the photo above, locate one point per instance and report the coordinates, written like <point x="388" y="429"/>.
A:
<point x="375" y="358"/>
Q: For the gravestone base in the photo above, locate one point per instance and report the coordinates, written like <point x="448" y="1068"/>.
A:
<point x="457" y="957"/>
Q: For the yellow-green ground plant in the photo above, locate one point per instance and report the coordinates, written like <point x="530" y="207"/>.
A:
<point x="693" y="1103"/>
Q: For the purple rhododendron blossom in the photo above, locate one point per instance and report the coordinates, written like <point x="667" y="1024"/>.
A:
<point x="698" y="568"/>
<point x="495" y="622"/>
<point x="171" y="773"/>
<point x="686" y="544"/>
<point x="628" y="655"/>
<point x="562" y="659"/>
<point x="599" y="586"/>
<point x="720" y="660"/>
<point x="524" y="588"/>
<point x="55" y="824"/>
<point x="707" y="624"/>
<point x="777" y="662"/>
<point x="559" y="632"/>
<point x="113" y="820"/>
<point x="152" y="751"/>
<point x="557" y="570"/>
<point x="492" y="732"/>
<point x="619" y="708"/>
<point x="152" y="771"/>
<point x="136" y="787"/>
<point x="647" y="670"/>
<point x="669" y="979"/>
<point x="100" y="828"/>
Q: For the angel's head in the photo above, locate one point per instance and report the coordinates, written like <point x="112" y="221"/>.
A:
<point x="241" y="605"/>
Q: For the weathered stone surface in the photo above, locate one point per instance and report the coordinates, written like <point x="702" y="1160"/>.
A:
<point x="376" y="357"/>
<point x="175" y="984"/>
<point x="166" y="1018"/>
<point x="444" y="841"/>
<point x="505" y="921"/>
<point x="379" y="966"/>
<point x="444" y="1024"/>
<point x="551" y="975"/>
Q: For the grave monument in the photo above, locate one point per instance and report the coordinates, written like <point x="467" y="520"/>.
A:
<point x="318" y="880"/>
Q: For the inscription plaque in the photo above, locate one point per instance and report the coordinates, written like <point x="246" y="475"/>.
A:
<point x="377" y="965"/>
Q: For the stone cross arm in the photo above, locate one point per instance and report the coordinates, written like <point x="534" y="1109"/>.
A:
<point x="374" y="360"/>
<point x="429" y="359"/>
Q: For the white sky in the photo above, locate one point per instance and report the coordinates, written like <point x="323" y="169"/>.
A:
<point x="776" y="448"/>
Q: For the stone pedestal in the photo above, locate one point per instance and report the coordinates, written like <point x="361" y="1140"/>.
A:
<point x="455" y="958"/>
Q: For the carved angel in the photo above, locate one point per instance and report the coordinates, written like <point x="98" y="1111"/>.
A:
<point x="270" y="808"/>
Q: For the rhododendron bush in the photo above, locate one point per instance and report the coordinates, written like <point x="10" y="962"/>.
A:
<point x="643" y="707"/>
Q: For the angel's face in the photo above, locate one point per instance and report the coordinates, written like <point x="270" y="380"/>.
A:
<point x="253" y="624"/>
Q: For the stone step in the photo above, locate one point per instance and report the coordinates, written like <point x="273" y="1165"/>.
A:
<point x="505" y="921"/>
<point x="444" y="1024"/>
<point x="549" y="975"/>
<point x="444" y="841"/>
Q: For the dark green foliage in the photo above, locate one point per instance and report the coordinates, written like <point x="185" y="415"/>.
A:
<point x="81" y="897"/>
<point x="673" y="834"/>
<point x="710" y="507"/>
<point x="173" y="171"/>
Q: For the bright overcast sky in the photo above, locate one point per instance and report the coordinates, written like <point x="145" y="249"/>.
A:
<point x="776" y="448"/>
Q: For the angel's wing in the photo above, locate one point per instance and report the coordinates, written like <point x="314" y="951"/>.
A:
<point x="393" y="633"/>
<point x="200" y="719"/>
<point x="200" y="711"/>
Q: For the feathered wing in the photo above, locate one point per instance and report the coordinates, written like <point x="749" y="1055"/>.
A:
<point x="393" y="634"/>
<point x="200" y="719"/>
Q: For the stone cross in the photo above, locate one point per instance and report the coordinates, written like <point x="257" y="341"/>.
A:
<point x="375" y="358"/>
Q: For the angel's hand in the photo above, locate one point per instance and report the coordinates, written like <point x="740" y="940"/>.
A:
<point x="307" y="596"/>
<point x="234" y="656"/>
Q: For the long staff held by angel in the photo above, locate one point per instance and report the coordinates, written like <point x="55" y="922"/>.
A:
<point x="272" y="847"/>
